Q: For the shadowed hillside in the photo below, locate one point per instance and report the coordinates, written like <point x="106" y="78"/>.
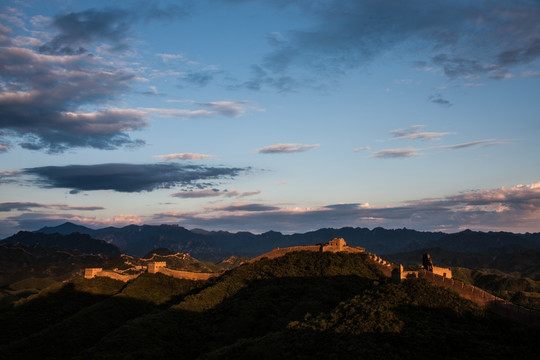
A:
<point x="301" y="305"/>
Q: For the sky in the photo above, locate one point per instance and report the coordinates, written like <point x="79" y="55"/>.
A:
<point x="258" y="115"/>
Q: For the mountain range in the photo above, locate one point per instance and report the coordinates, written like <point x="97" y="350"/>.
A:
<point x="137" y="240"/>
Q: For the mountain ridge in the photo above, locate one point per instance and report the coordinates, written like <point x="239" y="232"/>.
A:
<point x="138" y="240"/>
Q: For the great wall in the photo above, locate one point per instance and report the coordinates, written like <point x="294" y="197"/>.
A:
<point x="436" y="275"/>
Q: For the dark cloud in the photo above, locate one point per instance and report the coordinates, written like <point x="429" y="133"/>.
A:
<point x="247" y="207"/>
<point x="20" y="206"/>
<point x="462" y="38"/>
<point x="28" y="206"/>
<point x="438" y="99"/>
<point x="201" y="78"/>
<point x="79" y="29"/>
<point x="129" y="177"/>
<point x="149" y="11"/>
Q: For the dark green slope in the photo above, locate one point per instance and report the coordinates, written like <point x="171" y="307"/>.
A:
<point x="302" y="305"/>
<point x="408" y="321"/>
<point x="64" y="322"/>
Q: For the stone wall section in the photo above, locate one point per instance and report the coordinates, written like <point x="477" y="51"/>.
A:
<point x="383" y="265"/>
<point x="483" y="298"/>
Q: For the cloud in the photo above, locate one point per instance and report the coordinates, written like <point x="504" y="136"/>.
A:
<point x="286" y="148"/>
<point x="128" y="177"/>
<point x="58" y="97"/>
<point x="505" y="209"/>
<point x="41" y="107"/>
<point x="469" y="144"/>
<point x="214" y="193"/>
<point x="28" y="206"/>
<point x="183" y="156"/>
<point x="363" y="148"/>
<point x="437" y="99"/>
<point x="78" y="30"/>
<point x="397" y="153"/>
<point x="226" y="108"/>
<point x="241" y="207"/>
<point x="199" y="78"/>
<point x="530" y="73"/>
<point x="191" y="194"/>
<point x="460" y="38"/>
<point x="223" y="108"/>
<point x="19" y="206"/>
<point x="414" y="133"/>
<point x="235" y="193"/>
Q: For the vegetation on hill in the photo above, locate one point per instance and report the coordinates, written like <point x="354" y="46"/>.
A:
<point x="302" y="305"/>
<point x="406" y="321"/>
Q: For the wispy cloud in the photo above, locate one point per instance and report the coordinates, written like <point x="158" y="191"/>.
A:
<point x="28" y="206"/>
<point x="397" y="153"/>
<point x="286" y="148"/>
<point x="362" y="148"/>
<point x="530" y="73"/>
<point x="471" y="143"/>
<point x="214" y="193"/>
<point x="227" y="108"/>
<point x="223" y="108"/>
<point x="414" y="133"/>
<point x="246" y="207"/>
<point x="183" y="156"/>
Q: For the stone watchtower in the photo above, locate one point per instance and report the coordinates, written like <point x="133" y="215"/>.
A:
<point x="337" y="244"/>
<point x="153" y="267"/>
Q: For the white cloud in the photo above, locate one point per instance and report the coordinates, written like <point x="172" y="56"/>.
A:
<point x="414" y="133"/>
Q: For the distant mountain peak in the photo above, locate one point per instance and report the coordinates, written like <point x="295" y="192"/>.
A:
<point x="65" y="229"/>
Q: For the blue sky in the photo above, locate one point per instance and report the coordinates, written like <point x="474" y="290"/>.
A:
<point x="270" y="115"/>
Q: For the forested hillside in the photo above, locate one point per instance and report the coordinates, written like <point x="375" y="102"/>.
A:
<point x="301" y="305"/>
